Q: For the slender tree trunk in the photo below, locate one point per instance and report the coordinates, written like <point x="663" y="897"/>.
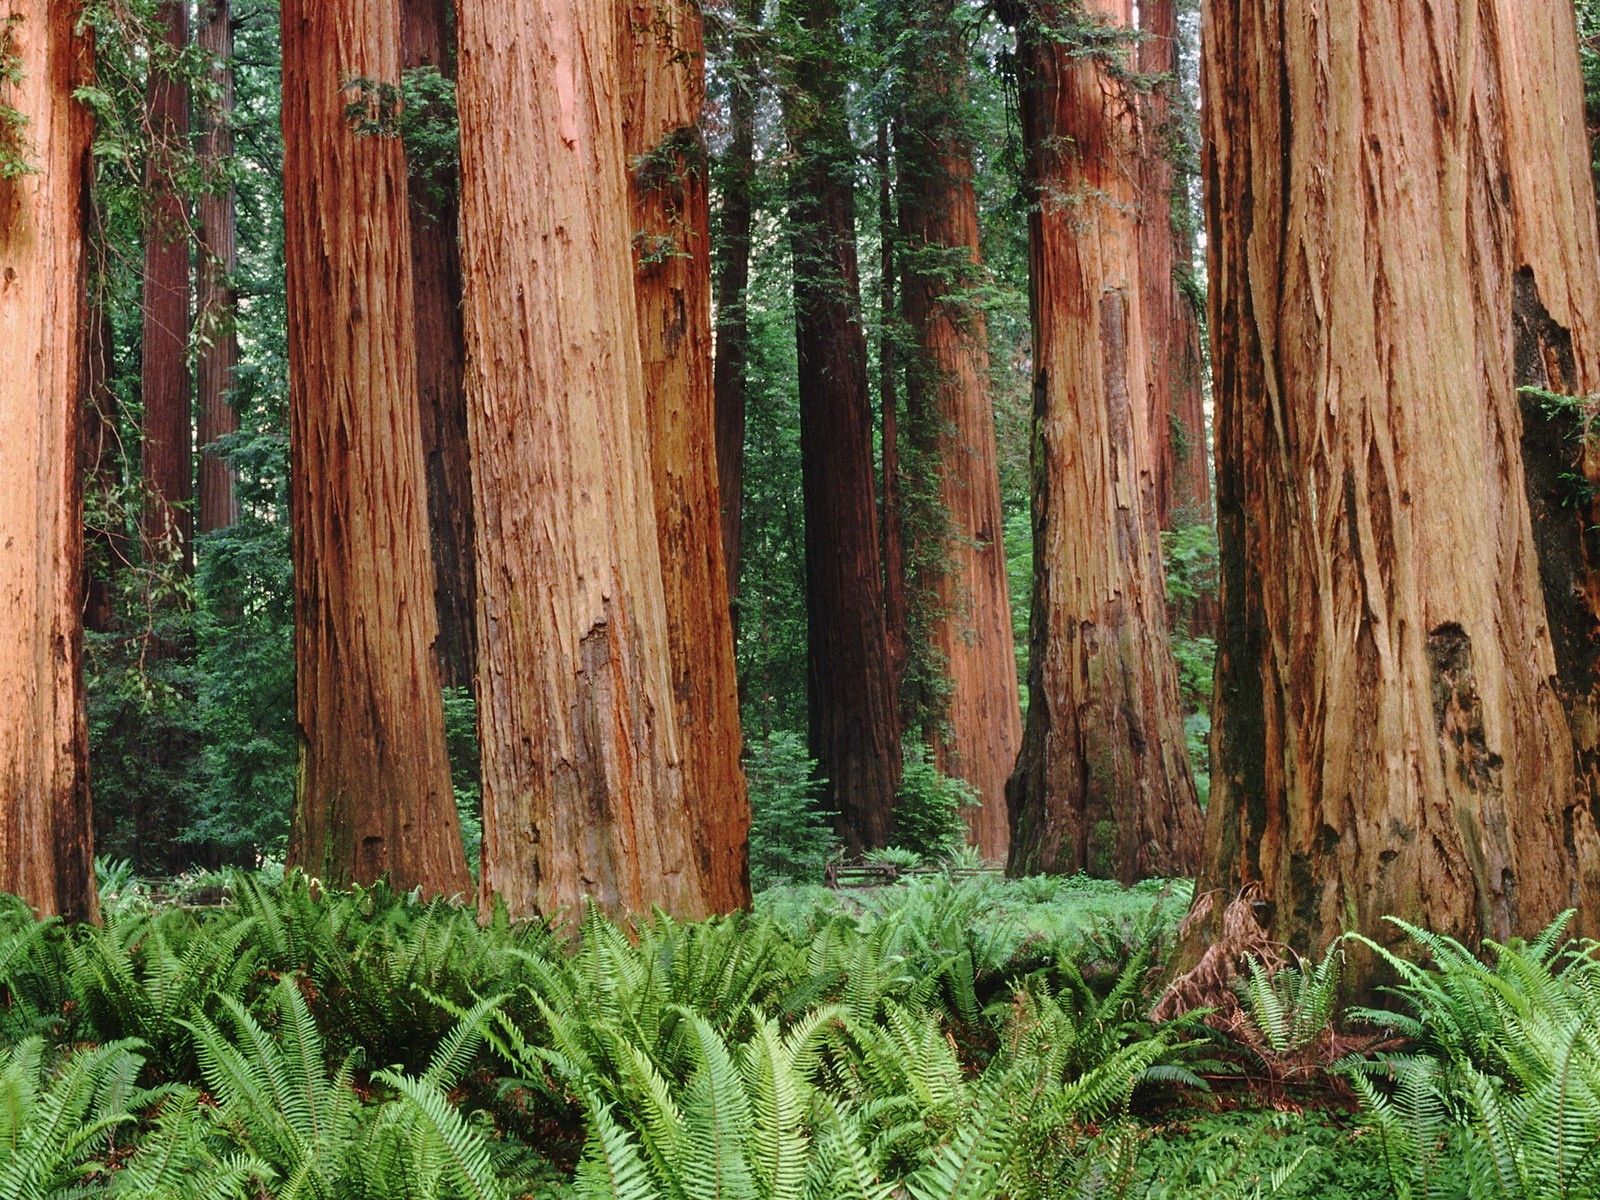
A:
<point x="896" y="599"/>
<point x="46" y="834"/>
<point x="583" y="781"/>
<point x="949" y="405"/>
<point x="1177" y="412"/>
<point x="1103" y="781"/>
<point x="374" y="794"/>
<point x="166" y="454"/>
<point x="102" y="471"/>
<point x="854" y="717"/>
<point x="663" y="58"/>
<point x="216" y="302"/>
<point x="441" y="365"/>
<point x="1389" y="739"/>
<point x="734" y="224"/>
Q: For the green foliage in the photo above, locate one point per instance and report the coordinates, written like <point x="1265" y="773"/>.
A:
<point x="791" y="832"/>
<point x="14" y="148"/>
<point x="928" y="807"/>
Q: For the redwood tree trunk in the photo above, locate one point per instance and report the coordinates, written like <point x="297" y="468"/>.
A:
<point x="166" y="455"/>
<point x="441" y="363"/>
<point x="1176" y="381"/>
<point x="734" y="224"/>
<point x="1103" y="781"/>
<point x="1389" y="739"/>
<point x="101" y="466"/>
<point x="583" y="780"/>
<point x="896" y="592"/>
<point x="854" y="717"/>
<point x="949" y="405"/>
<point x="46" y="835"/>
<point x="663" y="59"/>
<point x="374" y="793"/>
<point x="217" y="303"/>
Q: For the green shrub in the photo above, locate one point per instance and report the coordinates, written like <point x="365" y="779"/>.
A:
<point x="927" y="810"/>
<point x="791" y="833"/>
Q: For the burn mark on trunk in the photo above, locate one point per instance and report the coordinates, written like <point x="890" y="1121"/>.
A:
<point x="1458" y="708"/>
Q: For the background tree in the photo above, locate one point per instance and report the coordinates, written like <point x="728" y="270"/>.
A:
<point x="663" y="60"/>
<point x="166" y="445"/>
<point x="854" y="714"/>
<point x="1103" y="781"/>
<point x="46" y="835"/>
<point x="950" y="410"/>
<point x="374" y="795"/>
<point x="1389" y="738"/>
<point x="217" y="303"/>
<point x="583" y="781"/>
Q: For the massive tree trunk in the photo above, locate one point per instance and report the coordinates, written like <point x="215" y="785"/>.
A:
<point x="46" y="835"/>
<point x="737" y="177"/>
<point x="950" y="410"/>
<point x="1103" y="781"/>
<point x="441" y="363"/>
<point x="663" y="59"/>
<point x="854" y="717"/>
<point x="374" y="794"/>
<point x="166" y="455"/>
<point x="217" y="304"/>
<point x="1389" y="736"/>
<point x="1176" y="380"/>
<point x="583" y="787"/>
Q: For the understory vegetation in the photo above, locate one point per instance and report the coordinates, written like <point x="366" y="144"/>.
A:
<point x="245" y="1036"/>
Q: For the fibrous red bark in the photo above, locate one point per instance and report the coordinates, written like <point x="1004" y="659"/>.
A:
<point x="1103" y="781"/>
<point x="374" y="794"/>
<point x="46" y="832"/>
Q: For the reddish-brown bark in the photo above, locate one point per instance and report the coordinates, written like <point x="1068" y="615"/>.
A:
<point x="1103" y="781"/>
<point x="734" y="224"/>
<point x="1390" y="729"/>
<point x="374" y="794"/>
<point x="854" y="714"/>
<point x="166" y="446"/>
<point x="663" y="60"/>
<point x="1177" y="413"/>
<point x="583" y="779"/>
<point x="896" y="590"/>
<point x="46" y="832"/>
<point x="441" y="363"/>
<point x="951" y="411"/>
<point x="216" y="303"/>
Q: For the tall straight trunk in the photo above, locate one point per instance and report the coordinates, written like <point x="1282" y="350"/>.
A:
<point x="949" y="406"/>
<point x="216" y="302"/>
<point x="583" y="780"/>
<point x="896" y="596"/>
<point x="101" y="467"/>
<point x="735" y="221"/>
<point x="1389" y="739"/>
<point x="441" y="364"/>
<point x="1103" y="782"/>
<point x="374" y="794"/>
<point x="166" y="454"/>
<point x="663" y="57"/>
<point x="46" y="835"/>
<point x="854" y="715"/>
<point x="1176" y="381"/>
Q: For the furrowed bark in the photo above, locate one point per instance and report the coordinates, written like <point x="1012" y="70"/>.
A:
<point x="583" y="786"/>
<point x="217" y="304"/>
<point x="663" y="59"/>
<point x="735" y="221"/>
<point x="854" y="718"/>
<point x="949" y="406"/>
<point x="46" y="831"/>
<point x="1177" y="412"/>
<point x="374" y="794"/>
<point x="166" y="455"/>
<point x="1103" y="781"/>
<point x="1390" y="728"/>
<point x="441" y="365"/>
